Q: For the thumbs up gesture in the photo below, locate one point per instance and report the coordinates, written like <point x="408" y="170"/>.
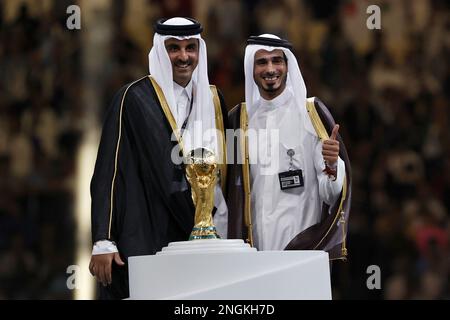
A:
<point x="330" y="148"/>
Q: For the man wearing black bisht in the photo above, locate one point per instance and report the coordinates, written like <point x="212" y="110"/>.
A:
<point x="141" y="200"/>
<point x="289" y="187"/>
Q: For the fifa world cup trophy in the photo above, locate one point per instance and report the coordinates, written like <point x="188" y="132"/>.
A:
<point x="201" y="172"/>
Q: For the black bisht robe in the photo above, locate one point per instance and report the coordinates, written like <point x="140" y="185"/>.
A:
<point x="329" y="234"/>
<point x="151" y="199"/>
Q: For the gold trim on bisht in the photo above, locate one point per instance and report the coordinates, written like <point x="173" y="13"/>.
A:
<point x="166" y="109"/>
<point x="246" y="173"/>
<point x="323" y="135"/>
<point x="116" y="158"/>
<point x="221" y="139"/>
<point x="219" y="124"/>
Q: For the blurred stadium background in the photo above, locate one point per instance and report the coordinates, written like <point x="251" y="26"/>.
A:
<point x="389" y="89"/>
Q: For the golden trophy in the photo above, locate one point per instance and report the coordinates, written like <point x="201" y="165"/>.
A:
<point x="201" y="172"/>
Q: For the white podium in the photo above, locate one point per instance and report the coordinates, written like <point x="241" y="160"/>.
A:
<point x="229" y="270"/>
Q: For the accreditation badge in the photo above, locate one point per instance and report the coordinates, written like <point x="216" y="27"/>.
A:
<point x="293" y="178"/>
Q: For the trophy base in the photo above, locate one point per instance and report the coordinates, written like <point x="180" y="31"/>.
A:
<point x="206" y="246"/>
<point x="199" y="233"/>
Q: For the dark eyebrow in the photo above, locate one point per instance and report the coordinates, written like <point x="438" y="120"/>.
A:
<point x="172" y="46"/>
<point x="274" y="59"/>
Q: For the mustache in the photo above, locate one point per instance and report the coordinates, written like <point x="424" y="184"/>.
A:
<point x="271" y="74"/>
<point x="183" y="62"/>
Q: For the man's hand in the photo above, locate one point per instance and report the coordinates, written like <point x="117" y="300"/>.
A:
<point x="330" y="148"/>
<point x="100" y="266"/>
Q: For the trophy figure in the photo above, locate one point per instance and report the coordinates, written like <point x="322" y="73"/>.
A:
<point x="201" y="172"/>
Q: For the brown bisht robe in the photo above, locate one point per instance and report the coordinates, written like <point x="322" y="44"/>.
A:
<point x="329" y="234"/>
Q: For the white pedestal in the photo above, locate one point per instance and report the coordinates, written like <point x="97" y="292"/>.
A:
<point x="229" y="270"/>
<point x="206" y="246"/>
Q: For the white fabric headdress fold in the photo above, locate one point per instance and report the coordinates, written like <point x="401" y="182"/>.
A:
<point x="295" y="81"/>
<point x="201" y="127"/>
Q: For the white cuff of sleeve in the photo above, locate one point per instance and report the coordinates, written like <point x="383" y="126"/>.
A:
<point x="103" y="247"/>
<point x="340" y="174"/>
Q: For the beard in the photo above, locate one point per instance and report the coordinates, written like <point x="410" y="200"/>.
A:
<point x="271" y="87"/>
<point x="271" y="90"/>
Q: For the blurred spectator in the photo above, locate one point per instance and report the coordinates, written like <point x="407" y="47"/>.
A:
<point x="174" y="8"/>
<point x="35" y="167"/>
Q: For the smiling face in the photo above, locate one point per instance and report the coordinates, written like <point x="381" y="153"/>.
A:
<point x="183" y="55"/>
<point x="270" y="72"/>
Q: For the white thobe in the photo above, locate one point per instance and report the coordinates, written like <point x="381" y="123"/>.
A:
<point x="279" y="215"/>
<point x="183" y="96"/>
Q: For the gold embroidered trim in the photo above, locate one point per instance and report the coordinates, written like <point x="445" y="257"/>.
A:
<point x="166" y="109"/>
<point x="322" y="133"/>
<point x="221" y="139"/>
<point x="246" y="174"/>
<point x="116" y="158"/>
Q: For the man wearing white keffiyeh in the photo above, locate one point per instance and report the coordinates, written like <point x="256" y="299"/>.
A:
<point x="141" y="200"/>
<point x="188" y="65"/>
<point x="296" y="185"/>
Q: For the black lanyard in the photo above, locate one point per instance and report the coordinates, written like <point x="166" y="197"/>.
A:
<point x="187" y="118"/>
